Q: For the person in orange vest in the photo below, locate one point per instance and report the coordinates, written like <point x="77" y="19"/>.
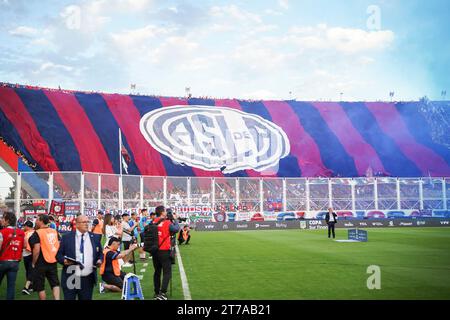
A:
<point x="110" y="269"/>
<point x="11" y="245"/>
<point x="97" y="224"/>
<point x="28" y="228"/>
<point x="44" y="245"/>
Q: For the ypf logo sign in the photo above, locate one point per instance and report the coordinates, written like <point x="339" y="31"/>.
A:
<point x="215" y="138"/>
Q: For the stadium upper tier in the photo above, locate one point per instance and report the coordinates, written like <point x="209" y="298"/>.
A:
<point x="58" y="130"/>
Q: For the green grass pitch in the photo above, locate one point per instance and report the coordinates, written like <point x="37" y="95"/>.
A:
<point x="304" y="264"/>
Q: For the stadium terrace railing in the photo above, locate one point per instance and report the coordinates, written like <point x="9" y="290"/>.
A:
<point x="111" y="192"/>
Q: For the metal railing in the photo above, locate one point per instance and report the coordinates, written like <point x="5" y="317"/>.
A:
<point x="96" y="191"/>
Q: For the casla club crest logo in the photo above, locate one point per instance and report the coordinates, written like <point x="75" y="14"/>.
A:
<point x="215" y="138"/>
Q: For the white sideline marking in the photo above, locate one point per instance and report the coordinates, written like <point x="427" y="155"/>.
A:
<point x="142" y="270"/>
<point x="145" y="264"/>
<point x="184" y="282"/>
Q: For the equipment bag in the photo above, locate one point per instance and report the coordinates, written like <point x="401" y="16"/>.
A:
<point x="151" y="238"/>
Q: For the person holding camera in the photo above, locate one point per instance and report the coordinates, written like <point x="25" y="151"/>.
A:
<point x="184" y="236"/>
<point x="167" y="226"/>
<point x="110" y="271"/>
<point x="127" y="235"/>
<point x="110" y="228"/>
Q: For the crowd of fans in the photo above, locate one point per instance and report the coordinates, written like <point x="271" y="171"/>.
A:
<point x="189" y="96"/>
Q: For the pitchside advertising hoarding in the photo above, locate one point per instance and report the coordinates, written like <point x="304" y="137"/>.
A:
<point x="320" y="224"/>
<point x="66" y="211"/>
<point x="207" y="214"/>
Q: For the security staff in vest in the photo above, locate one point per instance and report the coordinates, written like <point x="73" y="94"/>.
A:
<point x="331" y="219"/>
<point x="97" y="224"/>
<point x="44" y="244"/>
<point x="11" y="245"/>
<point x="110" y="268"/>
<point x="162" y="260"/>
<point x="80" y="252"/>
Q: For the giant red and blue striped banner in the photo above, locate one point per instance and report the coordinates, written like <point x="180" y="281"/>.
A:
<point x="78" y="131"/>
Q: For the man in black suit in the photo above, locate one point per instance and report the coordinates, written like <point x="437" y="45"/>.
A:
<point x="331" y="219"/>
<point x="80" y="246"/>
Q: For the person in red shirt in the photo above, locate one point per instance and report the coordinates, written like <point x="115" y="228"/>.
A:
<point x="161" y="259"/>
<point x="11" y="245"/>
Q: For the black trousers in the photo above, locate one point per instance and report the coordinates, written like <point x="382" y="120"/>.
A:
<point x="27" y="262"/>
<point x="331" y="229"/>
<point x="162" y="262"/>
<point x="85" y="290"/>
<point x="181" y="240"/>
<point x="126" y="245"/>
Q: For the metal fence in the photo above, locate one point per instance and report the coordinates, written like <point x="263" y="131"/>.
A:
<point x="126" y="192"/>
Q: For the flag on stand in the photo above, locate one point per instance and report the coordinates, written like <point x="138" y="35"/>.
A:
<point x="125" y="158"/>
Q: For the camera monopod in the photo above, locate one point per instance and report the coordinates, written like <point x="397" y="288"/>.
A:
<point x="134" y="264"/>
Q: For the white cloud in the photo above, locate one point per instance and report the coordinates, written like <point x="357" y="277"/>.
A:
<point x="233" y="12"/>
<point x="137" y="38"/>
<point x="271" y="12"/>
<point x="50" y="66"/>
<point x="355" y="40"/>
<point x="174" y="51"/>
<point x="24" y="31"/>
<point x="260" y="94"/>
<point x="283" y="4"/>
<point x="347" y="40"/>
<point x="102" y="7"/>
<point x="259" y="56"/>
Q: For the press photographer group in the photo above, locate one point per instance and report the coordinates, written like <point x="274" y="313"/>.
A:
<point x="92" y="254"/>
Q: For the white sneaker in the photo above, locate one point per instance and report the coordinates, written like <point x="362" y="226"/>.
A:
<point x="102" y="288"/>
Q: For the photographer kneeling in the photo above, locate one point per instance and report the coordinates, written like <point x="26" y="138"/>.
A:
<point x="184" y="236"/>
<point x="167" y="226"/>
<point x="110" y="268"/>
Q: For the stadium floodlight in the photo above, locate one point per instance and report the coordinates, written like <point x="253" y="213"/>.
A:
<point x="443" y="94"/>
<point x="391" y="94"/>
<point x="341" y="95"/>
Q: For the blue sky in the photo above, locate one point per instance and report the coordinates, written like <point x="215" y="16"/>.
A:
<point x="280" y="49"/>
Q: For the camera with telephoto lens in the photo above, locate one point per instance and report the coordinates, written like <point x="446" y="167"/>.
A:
<point x="169" y="214"/>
